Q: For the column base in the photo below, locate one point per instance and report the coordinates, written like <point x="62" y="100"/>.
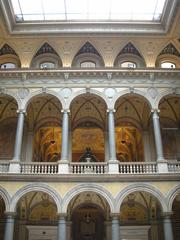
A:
<point x="113" y="166"/>
<point x="63" y="167"/>
<point x="162" y="166"/>
<point x="14" y="166"/>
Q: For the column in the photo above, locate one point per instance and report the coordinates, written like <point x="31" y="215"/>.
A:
<point x="167" y="226"/>
<point x="61" y="228"/>
<point x="14" y="164"/>
<point x="157" y="136"/>
<point x="63" y="164"/>
<point x="112" y="163"/>
<point x="147" y="149"/>
<point x="115" y="228"/>
<point x="111" y="129"/>
<point x="65" y="134"/>
<point x="9" y="228"/>
<point x="162" y="164"/>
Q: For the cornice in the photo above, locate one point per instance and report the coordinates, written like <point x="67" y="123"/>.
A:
<point x="92" y="77"/>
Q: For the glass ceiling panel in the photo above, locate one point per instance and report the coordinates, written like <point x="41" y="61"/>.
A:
<point x="88" y="10"/>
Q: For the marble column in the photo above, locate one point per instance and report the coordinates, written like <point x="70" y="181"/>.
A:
<point x="112" y="140"/>
<point x="9" y="227"/>
<point x="115" y="228"/>
<point x="157" y="136"/>
<point x="167" y="226"/>
<point x="162" y="165"/>
<point x="65" y="136"/>
<point x="106" y="146"/>
<point x="19" y="136"/>
<point x="62" y="231"/>
<point x="14" y="166"/>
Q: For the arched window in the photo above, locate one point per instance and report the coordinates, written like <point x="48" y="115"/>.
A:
<point x="88" y="64"/>
<point x="168" y="65"/>
<point x="47" y="65"/>
<point x="128" y="65"/>
<point x="8" y="65"/>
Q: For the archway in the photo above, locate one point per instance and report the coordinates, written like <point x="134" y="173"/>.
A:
<point x="88" y="127"/>
<point x="88" y="213"/>
<point x="36" y="217"/>
<point x="170" y="121"/>
<point x="140" y="213"/>
<point x="132" y="128"/>
<point x="44" y="128"/>
<point x="176" y="217"/>
<point x="2" y="217"/>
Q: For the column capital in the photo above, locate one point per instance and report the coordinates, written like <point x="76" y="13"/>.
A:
<point x="167" y="214"/>
<point x="155" y="110"/>
<point x="115" y="215"/>
<point x="65" y="110"/>
<point x="111" y="110"/>
<point x="10" y="214"/>
<point x="62" y="216"/>
<point x="21" y="111"/>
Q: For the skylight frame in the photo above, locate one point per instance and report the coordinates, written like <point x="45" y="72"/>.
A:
<point x="92" y="27"/>
<point x="85" y="11"/>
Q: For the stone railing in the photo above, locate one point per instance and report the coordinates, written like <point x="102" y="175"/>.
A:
<point x="174" y="166"/>
<point x="39" y="168"/>
<point x="89" y="168"/>
<point x="4" y="167"/>
<point x="99" y="168"/>
<point x="137" y="168"/>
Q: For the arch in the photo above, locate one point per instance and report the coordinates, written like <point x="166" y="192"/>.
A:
<point x="90" y="187"/>
<point x="14" y="96"/>
<point x="134" y="91"/>
<point x="91" y="91"/>
<point x="142" y="187"/>
<point x="6" y="197"/>
<point x="36" y="187"/>
<point x="30" y="97"/>
<point x="171" y="196"/>
<point x="165" y="94"/>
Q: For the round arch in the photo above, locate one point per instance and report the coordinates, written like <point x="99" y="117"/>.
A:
<point x="6" y="197"/>
<point x="88" y="188"/>
<point x="36" y="187"/>
<point x="141" y="188"/>
<point x="127" y="92"/>
<point x="165" y="94"/>
<point x="171" y="196"/>
<point x="41" y="92"/>
<point x="14" y="96"/>
<point x="91" y="91"/>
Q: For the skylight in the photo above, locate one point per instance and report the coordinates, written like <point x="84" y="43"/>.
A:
<point x="88" y="10"/>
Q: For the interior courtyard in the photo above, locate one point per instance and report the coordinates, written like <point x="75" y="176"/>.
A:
<point x="89" y="120"/>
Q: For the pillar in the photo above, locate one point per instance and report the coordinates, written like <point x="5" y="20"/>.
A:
<point x="63" y="166"/>
<point x="111" y="129"/>
<point x="162" y="164"/>
<point x="9" y="227"/>
<point x="106" y="146"/>
<point x="14" y="164"/>
<point x="65" y="135"/>
<point x="62" y="228"/>
<point x="112" y="163"/>
<point x="167" y="226"/>
<point x="115" y="228"/>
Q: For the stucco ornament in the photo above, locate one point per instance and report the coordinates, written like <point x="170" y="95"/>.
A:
<point x="152" y="92"/>
<point x="23" y="92"/>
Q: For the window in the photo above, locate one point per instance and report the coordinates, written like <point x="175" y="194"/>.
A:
<point x="88" y="64"/>
<point x="168" y="65"/>
<point x="8" y="65"/>
<point x="45" y="65"/>
<point x="128" y="65"/>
